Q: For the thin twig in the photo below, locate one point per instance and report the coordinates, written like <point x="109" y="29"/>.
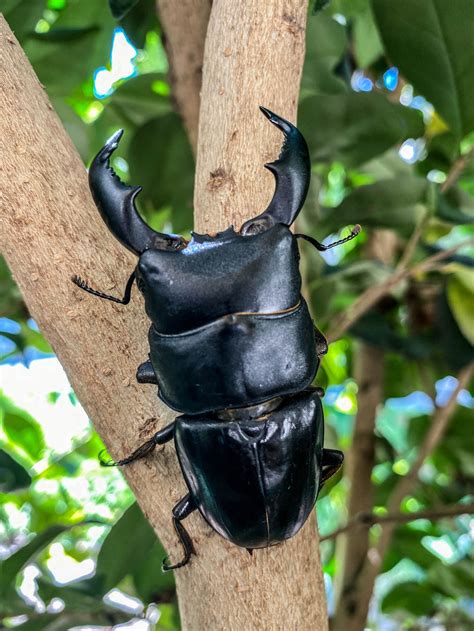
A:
<point x="365" y="577"/>
<point x="438" y="426"/>
<point x="407" y="255"/>
<point x="451" y="179"/>
<point x="373" y="294"/>
<point x="456" y="170"/>
<point x="367" y="520"/>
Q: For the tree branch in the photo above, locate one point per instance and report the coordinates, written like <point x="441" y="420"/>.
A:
<point x="456" y="170"/>
<point x="367" y="520"/>
<point x="369" y="374"/>
<point x="451" y="179"/>
<point x="253" y="56"/>
<point x="50" y="229"/>
<point x="184" y="26"/>
<point x="372" y="295"/>
<point x="432" y="439"/>
<point x="363" y="579"/>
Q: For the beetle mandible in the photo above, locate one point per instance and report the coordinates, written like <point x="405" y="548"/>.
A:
<point x="233" y="349"/>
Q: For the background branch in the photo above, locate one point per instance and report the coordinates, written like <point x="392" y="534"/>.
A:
<point x="369" y="370"/>
<point x="363" y="580"/>
<point x="367" y="520"/>
<point x="184" y="25"/>
<point x="456" y="170"/>
<point x="372" y="295"/>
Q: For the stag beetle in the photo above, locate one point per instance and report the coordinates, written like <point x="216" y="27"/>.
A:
<point x="234" y="350"/>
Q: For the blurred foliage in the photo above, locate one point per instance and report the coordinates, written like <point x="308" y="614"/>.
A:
<point x="382" y="81"/>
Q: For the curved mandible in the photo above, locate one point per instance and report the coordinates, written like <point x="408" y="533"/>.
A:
<point x="116" y="203"/>
<point x="292" y="173"/>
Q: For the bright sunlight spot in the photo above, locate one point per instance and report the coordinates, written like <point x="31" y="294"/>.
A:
<point x="122" y="56"/>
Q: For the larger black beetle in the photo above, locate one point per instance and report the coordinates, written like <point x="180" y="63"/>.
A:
<point x="233" y="348"/>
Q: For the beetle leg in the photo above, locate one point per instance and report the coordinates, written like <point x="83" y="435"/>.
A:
<point x="332" y="462"/>
<point x="160" y="438"/>
<point x="321" y="247"/>
<point x="182" y="510"/>
<point x="77" y="280"/>
<point x="321" y="342"/>
<point x="146" y="373"/>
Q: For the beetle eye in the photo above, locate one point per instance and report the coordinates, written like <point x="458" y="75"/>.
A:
<point x="140" y="284"/>
<point x="251" y="228"/>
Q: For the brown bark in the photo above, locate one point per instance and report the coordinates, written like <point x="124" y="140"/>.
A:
<point x="369" y="375"/>
<point x="352" y="550"/>
<point x="184" y="28"/>
<point x="253" y="56"/>
<point x="405" y="486"/>
<point x="50" y="229"/>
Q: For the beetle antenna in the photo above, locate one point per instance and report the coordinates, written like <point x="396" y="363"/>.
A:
<point x="321" y="247"/>
<point x="82" y="284"/>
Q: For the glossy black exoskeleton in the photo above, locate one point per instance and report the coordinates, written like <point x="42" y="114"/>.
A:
<point x="234" y="350"/>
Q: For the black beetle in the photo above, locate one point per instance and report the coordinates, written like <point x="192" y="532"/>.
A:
<point x="234" y="350"/>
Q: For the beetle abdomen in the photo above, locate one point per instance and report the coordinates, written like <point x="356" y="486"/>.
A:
<point x="239" y="360"/>
<point x="255" y="482"/>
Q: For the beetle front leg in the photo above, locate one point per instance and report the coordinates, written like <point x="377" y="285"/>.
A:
<point x="160" y="438"/>
<point x="77" y="280"/>
<point x="182" y="510"/>
<point x="146" y="373"/>
<point x="331" y="463"/>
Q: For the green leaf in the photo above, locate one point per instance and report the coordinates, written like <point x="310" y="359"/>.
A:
<point x="430" y="41"/>
<point x="65" y="621"/>
<point x="395" y="203"/>
<point x="23" y="432"/>
<point x="160" y="160"/>
<point x="379" y="332"/>
<point x="138" y="101"/>
<point x="141" y="19"/>
<point x="460" y="293"/>
<point x="62" y="65"/>
<point x="65" y="35"/>
<point x="11" y="566"/>
<point x="355" y="127"/>
<point x="338" y="284"/>
<point x="366" y="45"/>
<point x="416" y="598"/>
<point x="326" y="42"/>
<point x="22" y="16"/>
<point x="11" y="302"/>
<point x="151" y="583"/>
<point x="454" y="349"/>
<point x="125" y="549"/>
<point x="452" y="580"/>
<point x="456" y="206"/>
<point x="74" y="599"/>
<point x="120" y="8"/>
<point x="76" y="128"/>
<point x="13" y="475"/>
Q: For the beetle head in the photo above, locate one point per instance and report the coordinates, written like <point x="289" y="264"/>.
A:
<point x="116" y="201"/>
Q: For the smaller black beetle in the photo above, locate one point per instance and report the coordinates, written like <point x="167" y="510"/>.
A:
<point x="234" y="350"/>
